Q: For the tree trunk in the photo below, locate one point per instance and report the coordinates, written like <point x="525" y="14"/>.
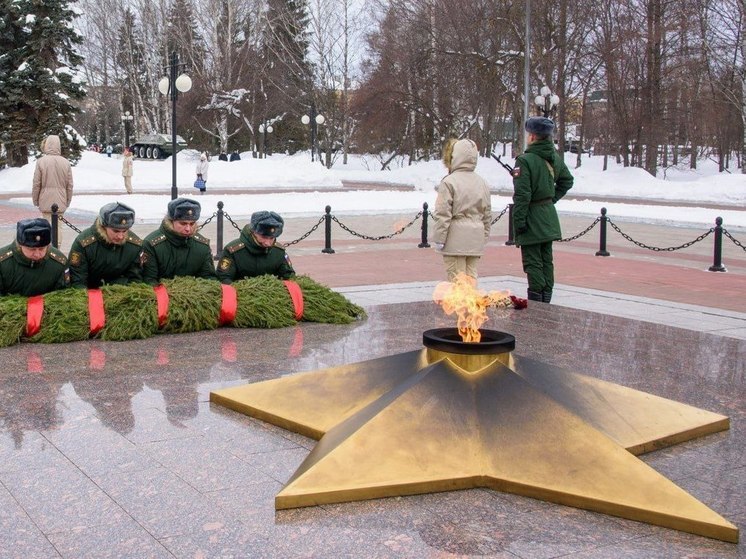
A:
<point x="17" y="154"/>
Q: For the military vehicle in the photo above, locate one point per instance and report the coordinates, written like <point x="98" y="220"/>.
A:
<point x="156" y="146"/>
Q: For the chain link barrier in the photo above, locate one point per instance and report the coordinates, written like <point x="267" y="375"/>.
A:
<point x="306" y="234"/>
<point x="429" y="214"/>
<point x="380" y="238"/>
<point x="230" y="220"/>
<point x="502" y="213"/>
<point x="735" y="241"/>
<point x="70" y="225"/>
<point x="208" y="220"/>
<point x="659" y="249"/>
<point x="583" y="232"/>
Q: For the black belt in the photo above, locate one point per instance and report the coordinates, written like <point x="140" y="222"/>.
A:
<point x="541" y="202"/>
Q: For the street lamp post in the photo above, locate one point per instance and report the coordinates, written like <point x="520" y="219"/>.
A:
<point x="546" y="101"/>
<point x="314" y="120"/>
<point x="265" y="129"/>
<point x="126" y="119"/>
<point x="171" y="85"/>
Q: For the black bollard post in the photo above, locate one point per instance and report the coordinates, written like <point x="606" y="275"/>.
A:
<point x="55" y="224"/>
<point x="424" y="243"/>
<point x="219" y="247"/>
<point x="328" y="232"/>
<point x="717" y="265"/>
<point x="602" y="247"/>
<point x="511" y="236"/>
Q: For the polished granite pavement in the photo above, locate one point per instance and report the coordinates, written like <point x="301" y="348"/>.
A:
<point x="113" y="449"/>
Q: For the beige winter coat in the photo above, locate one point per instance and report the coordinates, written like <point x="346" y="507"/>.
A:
<point x="463" y="209"/>
<point x="53" y="178"/>
<point x="127" y="166"/>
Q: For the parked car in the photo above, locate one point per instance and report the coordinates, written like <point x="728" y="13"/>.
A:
<point x="573" y="146"/>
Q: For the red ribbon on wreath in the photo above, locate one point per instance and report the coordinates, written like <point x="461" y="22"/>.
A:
<point x="296" y="295"/>
<point x="34" y="312"/>
<point x="96" y="312"/>
<point x="228" y="305"/>
<point x="161" y="297"/>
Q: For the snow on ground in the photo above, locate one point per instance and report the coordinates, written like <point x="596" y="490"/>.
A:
<point x="314" y="187"/>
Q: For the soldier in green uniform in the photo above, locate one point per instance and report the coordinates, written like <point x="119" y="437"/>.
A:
<point x="175" y="248"/>
<point x="540" y="178"/>
<point x="107" y="252"/>
<point x="31" y="265"/>
<point x="255" y="252"/>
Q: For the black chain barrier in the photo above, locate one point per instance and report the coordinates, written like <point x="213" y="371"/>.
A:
<point x="70" y="225"/>
<point x="502" y="213"/>
<point x="306" y="234"/>
<point x="327" y="218"/>
<point x="228" y="217"/>
<point x="735" y="241"/>
<point x="381" y="237"/>
<point x="583" y="232"/>
<point x="659" y="249"/>
<point x="208" y="220"/>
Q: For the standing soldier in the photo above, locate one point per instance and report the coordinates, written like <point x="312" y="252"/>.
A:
<point x="30" y="265"/>
<point x="255" y="252"/>
<point x="107" y="252"/>
<point x="175" y="248"/>
<point x="540" y="178"/>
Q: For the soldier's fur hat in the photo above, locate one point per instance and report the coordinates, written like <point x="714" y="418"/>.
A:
<point x="116" y="216"/>
<point x="267" y="224"/>
<point x="184" y="209"/>
<point x="34" y="233"/>
<point x="540" y="125"/>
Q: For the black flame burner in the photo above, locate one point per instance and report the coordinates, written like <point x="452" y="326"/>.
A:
<point x="449" y="340"/>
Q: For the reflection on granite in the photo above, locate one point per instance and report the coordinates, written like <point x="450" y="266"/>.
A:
<point x="113" y="449"/>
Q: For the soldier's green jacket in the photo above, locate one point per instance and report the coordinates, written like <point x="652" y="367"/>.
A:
<point x="535" y="191"/>
<point x="94" y="261"/>
<point x="166" y="255"/>
<point x="21" y="276"/>
<point x="244" y="258"/>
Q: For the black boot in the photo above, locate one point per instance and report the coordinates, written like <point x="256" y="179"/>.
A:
<point x="546" y="296"/>
<point x="534" y="296"/>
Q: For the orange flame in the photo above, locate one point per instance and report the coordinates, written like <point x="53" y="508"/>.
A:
<point x="469" y="303"/>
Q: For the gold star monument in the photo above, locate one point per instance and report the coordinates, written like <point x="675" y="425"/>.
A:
<point x="458" y="415"/>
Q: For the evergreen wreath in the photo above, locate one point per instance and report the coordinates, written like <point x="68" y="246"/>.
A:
<point x="134" y="311"/>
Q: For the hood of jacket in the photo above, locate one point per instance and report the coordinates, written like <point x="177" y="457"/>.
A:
<point x="464" y="157"/>
<point x="52" y="145"/>
<point x="543" y="148"/>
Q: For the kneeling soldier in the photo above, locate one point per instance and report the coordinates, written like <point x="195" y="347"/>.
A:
<point x="107" y="252"/>
<point x="255" y="252"/>
<point x="175" y="248"/>
<point x="31" y="265"/>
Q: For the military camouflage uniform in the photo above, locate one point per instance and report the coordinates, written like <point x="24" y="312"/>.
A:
<point x="94" y="261"/>
<point x="21" y="276"/>
<point x="244" y="258"/>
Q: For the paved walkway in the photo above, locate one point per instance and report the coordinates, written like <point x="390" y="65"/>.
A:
<point x="670" y="287"/>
